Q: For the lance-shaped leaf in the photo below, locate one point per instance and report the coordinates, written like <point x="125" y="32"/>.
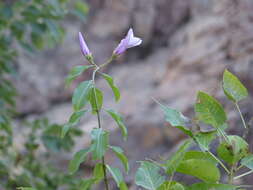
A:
<point x="198" y="168"/>
<point x="175" y="160"/>
<point x="171" y="185"/>
<point x="73" y="121"/>
<point x="98" y="172"/>
<point x="233" y="88"/>
<point x="119" y="120"/>
<point x="96" y="99"/>
<point x="79" y="157"/>
<point x="114" y="88"/>
<point x="120" y="154"/>
<point x="209" y="110"/>
<point x="75" y="72"/>
<point x="248" y="161"/>
<point x="80" y="96"/>
<point x="99" y="144"/>
<point x="148" y="176"/>
<point x="176" y="119"/>
<point x="209" y="186"/>
<point x="116" y="174"/>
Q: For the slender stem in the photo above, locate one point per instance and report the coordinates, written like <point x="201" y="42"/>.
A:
<point x="220" y="162"/>
<point x="244" y="174"/>
<point x="242" y="118"/>
<point x="99" y="126"/>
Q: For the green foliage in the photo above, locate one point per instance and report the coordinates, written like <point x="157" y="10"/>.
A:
<point x="203" y="164"/>
<point x="148" y="176"/>
<point x="79" y="157"/>
<point x="120" y="154"/>
<point x="119" y="120"/>
<point x="114" y="88"/>
<point x="81" y="95"/>
<point x="233" y="88"/>
<point x="100" y="141"/>
<point x="96" y="99"/>
<point x="209" y="110"/>
<point x="234" y="150"/>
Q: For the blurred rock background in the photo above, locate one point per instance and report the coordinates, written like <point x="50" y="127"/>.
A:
<point x="186" y="46"/>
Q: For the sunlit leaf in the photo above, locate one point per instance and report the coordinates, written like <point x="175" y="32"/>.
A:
<point x="233" y="87"/>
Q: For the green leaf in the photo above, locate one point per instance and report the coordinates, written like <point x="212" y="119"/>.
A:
<point x="73" y="121"/>
<point x="79" y="157"/>
<point x="204" y="139"/>
<point x="75" y="72"/>
<point x="116" y="174"/>
<point x="114" y="88"/>
<point x="198" y="168"/>
<point x="233" y="88"/>
<point x="248" y="161"/>
<point x="87" y="183"/>
<point x="209" y="110"/>
<point x="123" y="186"/>
<point x="176" y="119"/>
<point x="98" y="172"/>
<point x="234" y="150"/>
<point x="199" y="155"/>
<point x="171" y="185"/>
<point x="81" y="10"/>
<point x="120" y="154"/>
<point x="80" y="96"/>
<point x="100" y="139"/>
<point x="119" y="120"/>
<point x="26" y="188"/>
<point x="177" y="157"/>
<point x="148" y="176"/>
<point x="96" y="99"/>
<point x="206" y="186"/>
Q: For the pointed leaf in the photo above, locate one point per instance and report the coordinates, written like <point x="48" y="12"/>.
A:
<point x="96" y="99"/>
<point x="87" y="183"/>
<point x="199" y="168"/>
<point x="148" y="176"/>
<point x="75" y="72"/>
<point x="79" y="157"/>
<point x="120" y="154"/>
<point x="116" y="174"/>
<point x="100" y="139"/>
<point x="199" y="155"/>
<point x="176" y="119"/>
<point x="233" y="88"/>
<point x="209" y="110"/>
<point x="114" y="88"/>
<point x="177" y="157"/>
<point x="80" y="96"/>
<point x="119" y="120"/>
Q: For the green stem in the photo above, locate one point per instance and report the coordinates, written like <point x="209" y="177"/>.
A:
<point x="231" y="174"/>
<point x="220" y="162"/>
<point x="99" y="126"/>
<point x="242" y="118"/>
<point x="244" y="174"/>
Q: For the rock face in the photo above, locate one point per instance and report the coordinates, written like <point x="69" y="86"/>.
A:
<point x="187" y="45"/>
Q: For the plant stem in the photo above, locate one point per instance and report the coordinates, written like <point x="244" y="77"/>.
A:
<point x="99" y="126"/>
<point x="242" y="118"/>
<point x="220" y="162"/>
<point x="231" y="174"/>
<point x="244" y="174"/>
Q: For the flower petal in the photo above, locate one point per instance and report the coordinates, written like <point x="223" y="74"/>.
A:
<point x="84" y="48"/>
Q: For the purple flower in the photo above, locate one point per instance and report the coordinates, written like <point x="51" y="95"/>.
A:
<point x="84" y="48"/>
<point x="129" y="41"/>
